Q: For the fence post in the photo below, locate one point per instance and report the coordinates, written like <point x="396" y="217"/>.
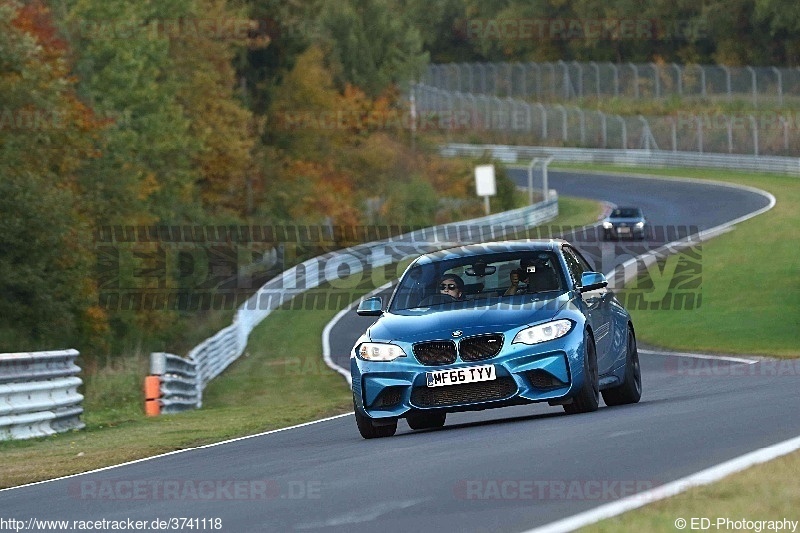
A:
<point x="530" y="179"/>
<point x="679" y="77"/>
<point x="699" y="135"/>
<point x="580" y="78"/>
<point x="565" y="78"/>
<point x="603" y="129"/>
<point x="674" y="134"/>
<point x="624" y="132"/>
<point x="563" y="121"/>
<point x="779" y="87"/>
<point x="755" y="134"/>
<point x="544" y="119"/>
<point x="754" y="84"/>
<point x="729" y="127"/>
<point x="615" y="70"/>
<point x="728" y="81"/>
<point x="702" y="80"/>
<point x="538" y="79"/>
<point x="596" y="78"/>
<point x="635" y="80"/>
<point x="656" y="80"/>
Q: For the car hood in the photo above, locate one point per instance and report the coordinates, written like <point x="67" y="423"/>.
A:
<point x="413" y="325"/>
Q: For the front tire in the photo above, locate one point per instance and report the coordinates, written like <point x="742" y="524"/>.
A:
<point x="368" y="429"/>
<point x="426" y="420"/>
<point x="588" y="398"/>
<point x="630" y="391"/>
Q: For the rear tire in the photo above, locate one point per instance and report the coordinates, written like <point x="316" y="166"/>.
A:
<point x="369" y="430"/>
<point x="426" y="420"/>
<point x="630" y="391"/>
<point x="588" y="398"/>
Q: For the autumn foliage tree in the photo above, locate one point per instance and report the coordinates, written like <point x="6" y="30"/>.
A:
<point x="46" y="135"/>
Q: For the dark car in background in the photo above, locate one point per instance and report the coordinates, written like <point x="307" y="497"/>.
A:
<point x="625" y="223"/>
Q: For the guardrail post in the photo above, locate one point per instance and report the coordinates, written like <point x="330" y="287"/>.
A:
<point x="152" y="384"/>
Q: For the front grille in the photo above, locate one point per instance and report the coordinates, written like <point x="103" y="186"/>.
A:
<point x="483" y="391"/>
<point x="481" y="347"/>
<point x="435" y="352"/>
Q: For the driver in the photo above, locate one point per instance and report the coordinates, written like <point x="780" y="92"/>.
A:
<point x="452" y="285"/>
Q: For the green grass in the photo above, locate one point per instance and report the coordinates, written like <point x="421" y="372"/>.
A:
<point x="765" y="492"/>
<point x="280" y="381"/>
<point x="750" y="283"/>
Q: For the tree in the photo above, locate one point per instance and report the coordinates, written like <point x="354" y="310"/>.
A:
<point x="373" y="46"/>
<point x="45" y="135"/>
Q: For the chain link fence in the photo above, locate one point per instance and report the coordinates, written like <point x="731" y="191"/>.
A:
<point x="560" y="81"/>
<point x="510" y="120"/>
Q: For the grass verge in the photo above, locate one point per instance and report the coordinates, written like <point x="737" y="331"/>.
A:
<point x="765" y="492"/>
<point x="281" y="381"/>
<point x="750" y="286"/>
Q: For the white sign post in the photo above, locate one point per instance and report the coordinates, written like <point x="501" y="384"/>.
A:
<point x="485" y="184"/>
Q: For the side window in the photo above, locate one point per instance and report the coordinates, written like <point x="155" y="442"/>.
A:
<point x="575" y="265"/>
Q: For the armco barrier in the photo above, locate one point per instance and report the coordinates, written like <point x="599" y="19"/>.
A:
<point x="39" y="394"/>
<point x="176" y="384"/>
<point x="645" y="158"/>
<point x="172" y="385"/>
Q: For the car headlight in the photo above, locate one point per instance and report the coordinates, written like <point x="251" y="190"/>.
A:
<point x="543" y="332"/>
<point x="379" y="351"/>
<point x="639" y="225"/>
<point x="607" y="225"/>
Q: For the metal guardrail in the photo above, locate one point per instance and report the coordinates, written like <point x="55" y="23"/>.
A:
<point x="176" y="384"/>
<point x="39" y="394"/>
<point x="651" y="158"/>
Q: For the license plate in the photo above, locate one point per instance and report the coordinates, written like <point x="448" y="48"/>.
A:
<point x="623" y="230"/>
<point x="457" y="376"/>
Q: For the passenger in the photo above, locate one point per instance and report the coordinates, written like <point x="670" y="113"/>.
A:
<point x="519" y="276"/>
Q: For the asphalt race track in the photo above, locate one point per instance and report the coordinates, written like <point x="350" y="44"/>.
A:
<point x="499" y="470"/>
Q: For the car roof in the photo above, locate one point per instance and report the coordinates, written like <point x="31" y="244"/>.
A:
<point x="471" y="250"/>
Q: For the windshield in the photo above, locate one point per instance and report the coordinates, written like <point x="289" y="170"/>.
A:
<point x="626" y="213"/>
<point x="477" y="279"/>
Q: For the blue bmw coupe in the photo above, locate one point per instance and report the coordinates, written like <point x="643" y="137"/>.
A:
<point x="491" y="325"/>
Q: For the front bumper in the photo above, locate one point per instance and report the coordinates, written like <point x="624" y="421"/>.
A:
<point x="524" y="374"/>
<point x="624" y="232"/>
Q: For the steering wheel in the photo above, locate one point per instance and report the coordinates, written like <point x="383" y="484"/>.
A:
<point x="436" y="299"/>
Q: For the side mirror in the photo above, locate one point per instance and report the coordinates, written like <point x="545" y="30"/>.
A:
<point x="591" y="281"/>
<point x="371" y="307"/>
